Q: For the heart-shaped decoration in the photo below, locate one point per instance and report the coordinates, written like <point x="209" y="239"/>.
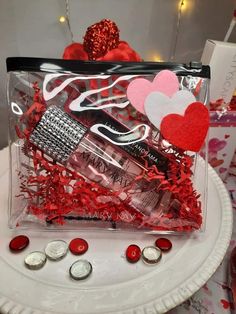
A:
<point x="216" y="145"/>
<point x="222" y="170"/>
<point x="157" y="105"/>
<point x="225" y="303"/>
<point x="165" y="82"/>
<point x="189" y="131"/>
<point x="214" y="162"/>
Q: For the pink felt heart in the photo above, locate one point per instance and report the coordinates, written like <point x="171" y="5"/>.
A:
<point x="165" y="82"/>
<point x="189" y="131"/>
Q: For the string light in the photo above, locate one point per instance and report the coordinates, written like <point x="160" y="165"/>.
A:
<point x="157" y="58"/>
<point x="182" y="7"/>
<point x="63" y="19"/>
<point x="231" y="27"/>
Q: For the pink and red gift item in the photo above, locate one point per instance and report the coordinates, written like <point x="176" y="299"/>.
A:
<point x="101" y="43"/>
<point x="109" y="145"/>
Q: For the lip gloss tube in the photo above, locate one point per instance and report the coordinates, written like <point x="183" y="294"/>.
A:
<point x="70" y="143"/>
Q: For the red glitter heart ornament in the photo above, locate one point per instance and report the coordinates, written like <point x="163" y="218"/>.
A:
<point x="100" y="38"/>
<point x="189" y="131"/>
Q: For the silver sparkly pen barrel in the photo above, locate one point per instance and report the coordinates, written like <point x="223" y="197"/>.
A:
<point x="57" y="134"/>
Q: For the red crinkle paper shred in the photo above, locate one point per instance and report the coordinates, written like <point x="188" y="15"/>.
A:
<point x="56" y="193"/>
<point x="62" y="192"/>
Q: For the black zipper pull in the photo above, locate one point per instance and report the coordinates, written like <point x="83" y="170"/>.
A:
<point x="195" y="65"/>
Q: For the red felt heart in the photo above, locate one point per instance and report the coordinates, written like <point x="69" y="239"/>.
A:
<point x="189" y="131"/>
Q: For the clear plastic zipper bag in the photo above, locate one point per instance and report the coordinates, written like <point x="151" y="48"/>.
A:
<point x="107" y="145"/>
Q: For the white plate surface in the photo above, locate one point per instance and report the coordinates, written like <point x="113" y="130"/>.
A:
<point x="115" y="285"/>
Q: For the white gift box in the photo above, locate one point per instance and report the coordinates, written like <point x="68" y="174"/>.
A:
<point x="221" y="56"/>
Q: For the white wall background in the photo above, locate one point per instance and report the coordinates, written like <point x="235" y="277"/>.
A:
<point x="31" y="28"/>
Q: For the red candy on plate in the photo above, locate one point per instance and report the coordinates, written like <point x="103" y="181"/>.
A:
<point x="133" y="253"/>
<point x="78" y="246"/>
<point x="163" y="244"/>
<point x="19" y="243"/>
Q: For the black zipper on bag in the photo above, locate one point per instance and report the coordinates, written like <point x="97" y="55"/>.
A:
<point x="104" y="67"/>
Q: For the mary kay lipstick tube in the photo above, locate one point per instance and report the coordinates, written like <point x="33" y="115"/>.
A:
<point x="72" y="144"/>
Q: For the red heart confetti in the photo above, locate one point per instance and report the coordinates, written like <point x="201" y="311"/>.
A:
<point x="189" y="131"/>
<point x="227" y="304"/>
<point x="227" y="135"/>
